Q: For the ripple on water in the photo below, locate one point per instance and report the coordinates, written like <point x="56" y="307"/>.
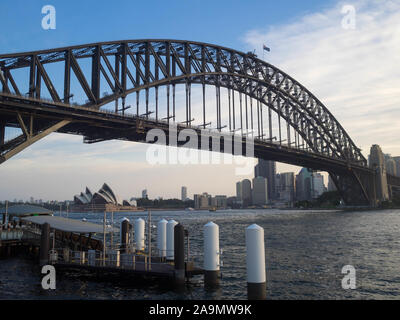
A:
<point x="305" y="253"/>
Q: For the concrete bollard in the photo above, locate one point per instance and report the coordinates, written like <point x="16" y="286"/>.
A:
<point x="124" y="234"/>
<point x="179" y="254"/>
<point x="139" y="234"/>
<point x="44" y="245"/>
<point x="162" y="238"/>
<point x="255" y="260"/>
<point x="170" y="239"/>
<point x="211" y="255"/>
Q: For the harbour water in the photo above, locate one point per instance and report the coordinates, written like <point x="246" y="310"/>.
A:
<point x="305" y="254"/>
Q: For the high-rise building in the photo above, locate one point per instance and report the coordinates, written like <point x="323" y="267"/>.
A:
<point x="304" y="185"/>
<point x="220" y="201"/>
<point x="267" y="169"/>
<point x="204" y="201"/>
<point x="397" y="160"/>
<point x="277" y="186"/>
<point x="331" y="184"/>
<point x="318" y="185"/>
<point x="391" y="167"/>
<point x="260" y="191"/>
<point x="196" y="199"/>
<point x="285" y="183"/>
<point x="184" y="193"/>
<point x="246" y="193"/>
<point x="239" y="195"/>
<point x="144" y="194"/>
<point x="377" y="162"/>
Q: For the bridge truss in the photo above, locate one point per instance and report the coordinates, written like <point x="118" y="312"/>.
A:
<point x="121" y="89"/>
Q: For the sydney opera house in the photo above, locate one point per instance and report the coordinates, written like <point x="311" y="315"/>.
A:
<point x="103" y="200"/>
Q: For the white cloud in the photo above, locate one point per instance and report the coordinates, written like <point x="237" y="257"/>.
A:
<point x="355" y="73"/>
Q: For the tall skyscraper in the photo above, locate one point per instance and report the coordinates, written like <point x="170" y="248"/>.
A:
<point x="377" y="162"/>
<point x="304" y="185"/>
<point x="184" y="194"/>
<point x="391" y="166"/>
<point x="260" y="191"/>
<point x="239" y="195"/>
<point x="144" y="194"/>
<point x="277" y="186"/>
<point x="246" y="193"/>
<point x="331" y="184"/>
<point x="196" y="198"/>
<point x="285" y="186"/>
<point x="397" y="160"/>
<point x="318" y="185"/>
<point x="267" y="169"/>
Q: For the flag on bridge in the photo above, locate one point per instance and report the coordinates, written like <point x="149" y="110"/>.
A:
<point x="266" y="48"/>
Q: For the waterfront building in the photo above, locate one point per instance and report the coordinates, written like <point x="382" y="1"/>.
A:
<point x="377" y="162"/>
<point x="144" y="194"/>
<point x="260" y="191"/>
<point x="285" y="187"/>
<point x="331" y="184"/>
<point x="397" y="160"/>
<point x="239" y="196"/>
<point x="318" y="185"/>
<point x="183" y="193"/>
<point x="267" y="169"/>
<point x="196" y="198"/>
<point x="246" y="193"/>
<point x="103" y="200"/>
<point x="202" y="201"/>
<point x="131" y="202"/>
<point x="277" y="186"/>
<point x="304" y="185"/>
<point x="220" y="201"/>
<point x="391" y="167"/>
<point x="206" y="201"/>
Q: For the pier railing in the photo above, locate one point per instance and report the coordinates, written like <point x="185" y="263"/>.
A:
<point x="14" y="234"/>
<point x="111" y="260"/>
<point x="18" y="233"/>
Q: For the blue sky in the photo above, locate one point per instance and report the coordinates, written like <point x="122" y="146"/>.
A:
<point x="355" y="73"/>
<point x="221" y="22"/>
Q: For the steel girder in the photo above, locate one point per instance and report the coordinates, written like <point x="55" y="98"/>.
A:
<point x="131" y="66"/>
<point x="143" y="64"/>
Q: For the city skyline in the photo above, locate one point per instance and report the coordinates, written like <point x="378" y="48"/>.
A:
<point x="48" y="169"/>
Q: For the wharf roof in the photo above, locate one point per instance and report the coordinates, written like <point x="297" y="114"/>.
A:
<point x="25" y="210"/>
<point x="69" y="225"/>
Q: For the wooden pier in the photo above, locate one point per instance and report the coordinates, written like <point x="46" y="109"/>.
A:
<point x="70" y="244"/>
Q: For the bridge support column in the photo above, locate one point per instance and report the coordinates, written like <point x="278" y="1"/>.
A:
<point x="356" y="188"/>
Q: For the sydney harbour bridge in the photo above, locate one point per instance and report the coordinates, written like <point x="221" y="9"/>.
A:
<point x="123" y="89"/>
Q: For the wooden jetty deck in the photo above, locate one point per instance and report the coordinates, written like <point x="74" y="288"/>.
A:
<point x="72" y="244"/>
<point x="125" y="263"/>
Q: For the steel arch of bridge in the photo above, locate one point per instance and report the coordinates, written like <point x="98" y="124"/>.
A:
<point x="138" y="66"/>
<point x="144" y="64"/>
